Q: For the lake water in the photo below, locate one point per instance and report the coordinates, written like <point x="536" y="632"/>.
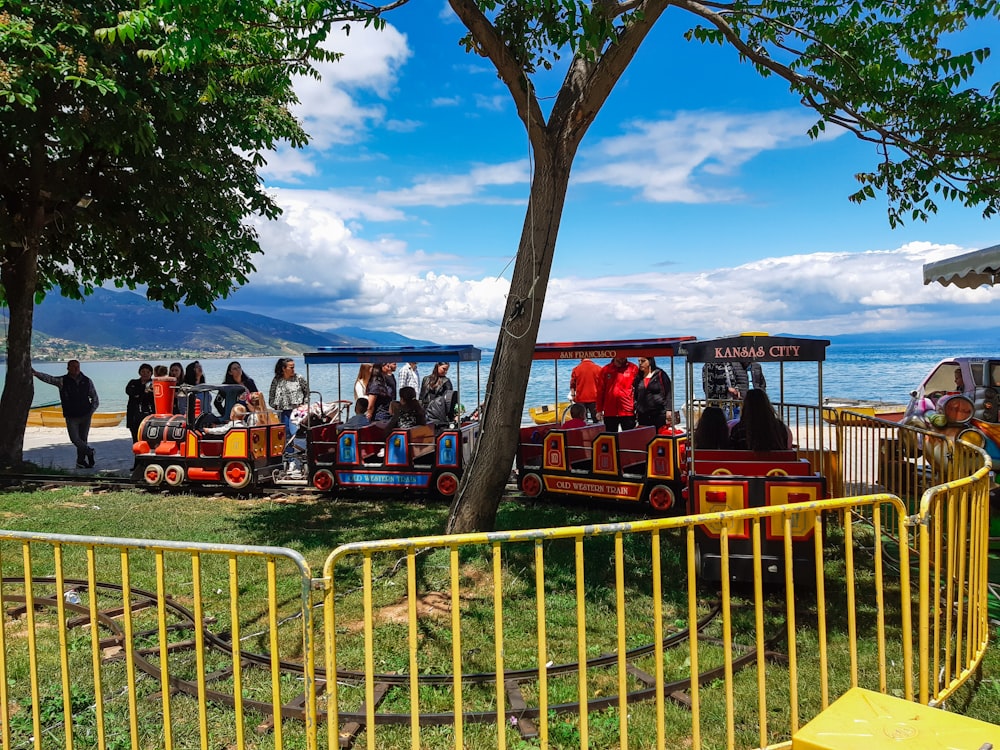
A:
<point x="888" y="372"/>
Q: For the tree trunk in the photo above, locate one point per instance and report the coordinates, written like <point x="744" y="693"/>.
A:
<point x="475" y="506"/>
<point x="19" y="276"/>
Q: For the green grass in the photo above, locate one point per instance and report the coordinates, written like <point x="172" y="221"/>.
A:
<point x="314" y="527"/>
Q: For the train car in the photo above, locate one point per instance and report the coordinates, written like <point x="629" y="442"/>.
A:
<point x="376" y="459"/>
<point x="724" y="479"/>
<point x="198" y="447"/>
<point x="643" y="467"/>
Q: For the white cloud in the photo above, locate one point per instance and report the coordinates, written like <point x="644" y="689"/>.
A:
<point x="322" y="269"/>
<point x="458" y="189"/>
<point x="681" y="159"/>
<point x="331" y="108"/>
<point x="446" y="101"/>
<point x="402" y="126"/>
<point x="665" y="161"/>
<point x="495" y="103"/>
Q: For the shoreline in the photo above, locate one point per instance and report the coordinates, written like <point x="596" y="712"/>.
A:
<point x="49" y="448"/>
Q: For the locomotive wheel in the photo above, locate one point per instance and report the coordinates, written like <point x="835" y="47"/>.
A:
<point x="237" y="474"/>
<point x="531" y="485"/>
<point x="447" y="484"/>
<point x="153" y="475"/>
<point x="173" y="475"/>
<point x="661" y="498"/>
<point x="323" y="480"/>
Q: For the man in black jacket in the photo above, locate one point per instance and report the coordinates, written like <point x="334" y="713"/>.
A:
<point x="79" y="402"/>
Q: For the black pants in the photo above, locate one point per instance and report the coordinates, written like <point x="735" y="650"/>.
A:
<point x="656" y="419"/>
<point x="614" y="424"/>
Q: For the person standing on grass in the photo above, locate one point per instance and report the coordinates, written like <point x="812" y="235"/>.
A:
<point x="79" y="402"/>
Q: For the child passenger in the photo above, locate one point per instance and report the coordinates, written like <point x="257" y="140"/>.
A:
<point x="577" y="416"/>
<point x="360" y="418"/>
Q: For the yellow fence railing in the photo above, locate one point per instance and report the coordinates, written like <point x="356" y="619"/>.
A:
<point x="591" y="636"/>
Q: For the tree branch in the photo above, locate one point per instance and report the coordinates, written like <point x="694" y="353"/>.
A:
<point x="510" y="72"/>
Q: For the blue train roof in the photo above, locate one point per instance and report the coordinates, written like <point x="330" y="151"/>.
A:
<point x="359" y="354"/>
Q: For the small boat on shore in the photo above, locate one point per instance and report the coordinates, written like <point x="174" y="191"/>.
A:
<point x="548" y="413"/>
<point x="52" y="416"/>
<point x="893" y="412"/>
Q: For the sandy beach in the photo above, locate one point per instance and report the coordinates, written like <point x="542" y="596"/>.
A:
<point x="49" y="447"/>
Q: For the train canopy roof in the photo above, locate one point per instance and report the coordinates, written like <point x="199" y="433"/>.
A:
<point x="381" y="354"/>
<point x="758" y="347"/>
<point x="666" y="347"/>
<point x="966" y="271"/>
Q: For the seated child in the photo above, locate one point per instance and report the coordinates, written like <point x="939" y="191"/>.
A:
<point x="577" y="416"/>
<point x="238" y="415"/>
<point x="360" y="418"/>
<point x="237" y="418"/>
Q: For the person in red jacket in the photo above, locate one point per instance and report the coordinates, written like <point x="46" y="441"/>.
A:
<point x="615" y="401"/>
<point x="584" y="382"/>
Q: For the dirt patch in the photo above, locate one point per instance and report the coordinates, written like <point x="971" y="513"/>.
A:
<point x="434" y="604"/>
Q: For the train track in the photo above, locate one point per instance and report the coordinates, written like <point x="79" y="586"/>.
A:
<point x="181" y="620"/>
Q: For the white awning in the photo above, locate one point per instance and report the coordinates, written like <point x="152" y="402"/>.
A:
<point x="966" y="271"/>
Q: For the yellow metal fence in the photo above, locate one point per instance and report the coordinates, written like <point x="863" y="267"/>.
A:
<point x="592" y="636"/>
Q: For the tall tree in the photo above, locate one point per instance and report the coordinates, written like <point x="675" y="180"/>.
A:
<point x="130" y="137"/>
<point x="878" y="68"/>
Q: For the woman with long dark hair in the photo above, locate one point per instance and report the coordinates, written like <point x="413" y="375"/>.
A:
<point x="759" y="428"/>
<point x="712" y="430"/>
<point x="176" y="372"/>
<point x="194" y="375"/>
<point x="651" y="392"/>
<point x="288" y="391"/>
<point x="379" y="393"/>
<point x="435" y="395"/>
<point x="234" y="376"/>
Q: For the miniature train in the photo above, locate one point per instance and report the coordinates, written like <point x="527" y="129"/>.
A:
<point x="657" y="470"/>
<point x="661" y="472"/>
<point x="198" y="448"/>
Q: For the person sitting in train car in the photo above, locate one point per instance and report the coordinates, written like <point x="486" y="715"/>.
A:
<point x="712" y="430"/>
<point x="959" y="381"/>
<point x="411" y="413"/>
<point x="393" y="422"/>
<point x="759" y="428"/>
<point x="360" y="418"/>
<point x="577" y="416"/>
<point x="238" y="417"/>
<point x="651" y="394"/>
<point x="380" y="394"/>
<point x="615" y="397"/>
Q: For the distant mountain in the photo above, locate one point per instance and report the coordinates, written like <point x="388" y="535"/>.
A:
<point x="378" y="338"/>
<point x="115" y="324"/>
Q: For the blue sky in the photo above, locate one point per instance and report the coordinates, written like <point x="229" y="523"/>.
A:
<point x="697" y="206"/>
